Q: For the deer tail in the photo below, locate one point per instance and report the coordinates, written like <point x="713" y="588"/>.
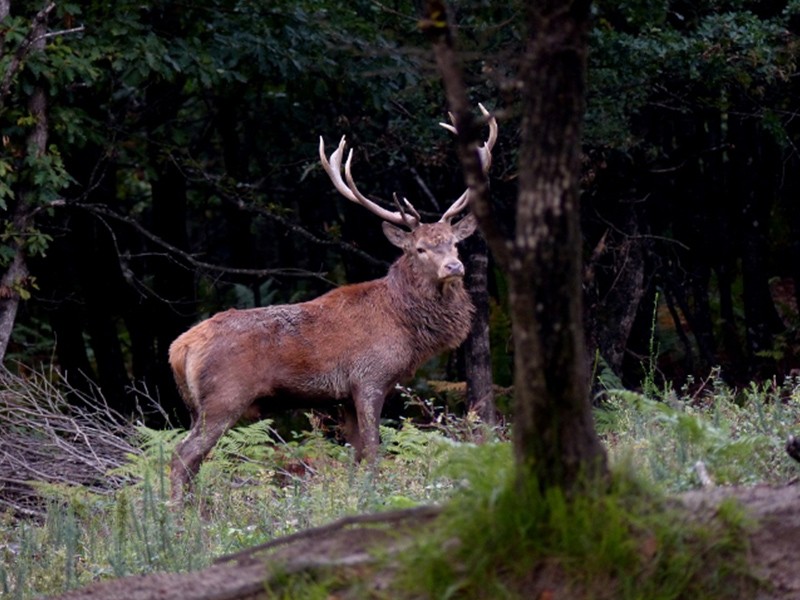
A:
<point x="178" y="357"/>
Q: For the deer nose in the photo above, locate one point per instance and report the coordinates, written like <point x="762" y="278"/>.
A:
<point x="454" y="268"/>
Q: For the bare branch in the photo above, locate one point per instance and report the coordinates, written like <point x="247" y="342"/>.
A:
<point x="246" y="204"/>
<point x="49" y="440"/>
<point x="52" y="34"/>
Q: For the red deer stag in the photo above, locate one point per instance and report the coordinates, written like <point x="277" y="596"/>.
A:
<point x="349" y="346"/>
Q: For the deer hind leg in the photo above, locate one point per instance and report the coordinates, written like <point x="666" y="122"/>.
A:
<point x="191" y="452"/>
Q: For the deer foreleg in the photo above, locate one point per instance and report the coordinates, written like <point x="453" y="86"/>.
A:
<point x="368" y="405"/>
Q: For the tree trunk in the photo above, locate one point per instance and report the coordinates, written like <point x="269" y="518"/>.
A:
<point x="753" y="180"/>
<point x="612" y="302"/>
<point x="14" y="276"/>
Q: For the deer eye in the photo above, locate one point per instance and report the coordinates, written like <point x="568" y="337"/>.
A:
<point x="421" y="250"/>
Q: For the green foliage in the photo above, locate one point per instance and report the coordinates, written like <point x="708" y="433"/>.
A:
<point x="153" y="446"/>
<point x="653" y="54"/>
<point x="252" y="488"/>
<point x="304" y="586"/>
<point x="245" y="297"/>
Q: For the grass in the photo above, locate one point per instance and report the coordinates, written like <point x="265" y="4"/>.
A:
<point x="257" y="486"/>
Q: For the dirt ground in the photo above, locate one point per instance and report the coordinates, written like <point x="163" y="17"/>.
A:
<point x="349" y="544"/>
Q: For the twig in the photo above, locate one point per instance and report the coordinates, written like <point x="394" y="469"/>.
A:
<point x="49" y="440"/>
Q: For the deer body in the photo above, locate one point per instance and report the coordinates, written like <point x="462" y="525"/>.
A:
<point x="350" y="346"/>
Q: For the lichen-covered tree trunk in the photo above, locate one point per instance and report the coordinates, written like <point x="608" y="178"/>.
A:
<point x="554" y="436"/>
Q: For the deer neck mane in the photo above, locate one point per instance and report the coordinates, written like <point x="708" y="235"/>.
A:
<point x="404" y="281"/>
<point x="438" y="315"/>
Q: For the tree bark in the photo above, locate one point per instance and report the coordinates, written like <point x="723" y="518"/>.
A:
<point x="554" y="436"/>
<point x="14" y="276"/>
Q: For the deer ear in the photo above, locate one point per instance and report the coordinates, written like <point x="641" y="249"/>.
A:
<point x="465" y="227"/>
<point x="396" y="236"/>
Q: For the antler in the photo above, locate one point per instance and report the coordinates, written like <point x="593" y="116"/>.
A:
<point x="406" y="215"/>
<point x="485" y="154"/>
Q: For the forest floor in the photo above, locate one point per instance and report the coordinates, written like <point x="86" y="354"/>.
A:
<point x="349" y="548"/>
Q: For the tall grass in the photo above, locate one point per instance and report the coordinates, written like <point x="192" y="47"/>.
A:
<point x="257" y="486"/>
<point x="252" y="489"/>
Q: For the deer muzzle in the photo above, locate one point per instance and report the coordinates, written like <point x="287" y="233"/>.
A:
<point x="451" y="270"/>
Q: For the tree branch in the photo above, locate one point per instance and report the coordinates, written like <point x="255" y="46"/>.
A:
<point x="102" y="211"/>
<point x="468" y="129"/>
<point x="245" y="204"/>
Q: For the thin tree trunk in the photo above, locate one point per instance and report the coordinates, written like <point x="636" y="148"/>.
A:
<point x="480" y="392"/>
<point x="754" y="182"/>
<point x="16" y="275"/>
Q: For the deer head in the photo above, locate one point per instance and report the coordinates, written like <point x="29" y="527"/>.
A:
<point x="431" y="245"/>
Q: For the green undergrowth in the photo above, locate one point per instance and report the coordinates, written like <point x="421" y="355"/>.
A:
<point x="253" y="488"/>
<point x="736" y="436"/>
<point x="496" y="540"/>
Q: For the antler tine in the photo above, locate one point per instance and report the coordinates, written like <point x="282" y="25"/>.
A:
<point x="449" y="127"/>
<point x="414" y="219"/>
<point x="412" y="210"/>
<point x="456" y="207"/>
<point x="333" y="168"/>
<point x="452" y="125"/>
<point x="485" y="154"/>
<point x="485" y="151"/>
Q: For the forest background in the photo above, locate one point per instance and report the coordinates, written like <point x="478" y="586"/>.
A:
<point x="160" y="163"/>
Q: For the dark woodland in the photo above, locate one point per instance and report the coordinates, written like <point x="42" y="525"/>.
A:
<point x="159" y="164"/>
<point x="162" y="163"/>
